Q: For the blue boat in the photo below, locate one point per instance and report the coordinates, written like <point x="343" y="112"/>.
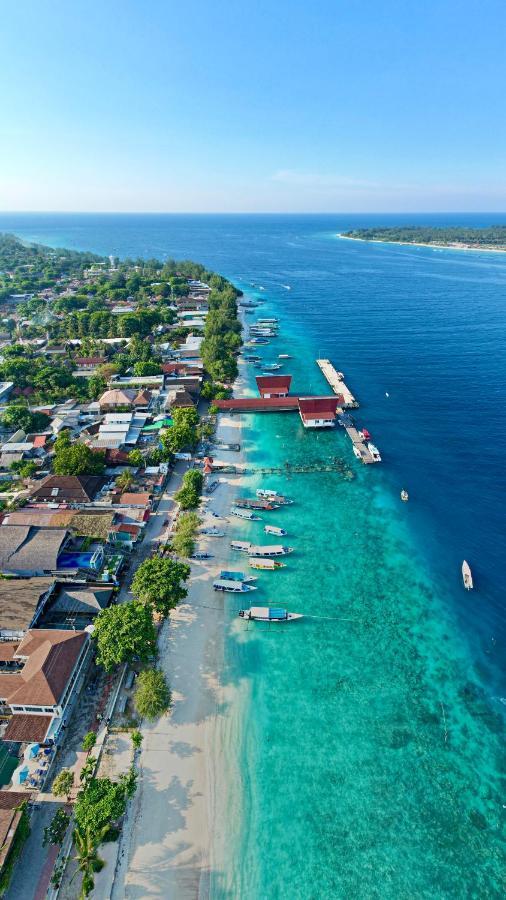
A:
<point x="227" y="575"/>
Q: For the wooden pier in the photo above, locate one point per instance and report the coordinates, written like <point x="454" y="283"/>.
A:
<point x="358" y="443"/>
<point x="336" y="381"/>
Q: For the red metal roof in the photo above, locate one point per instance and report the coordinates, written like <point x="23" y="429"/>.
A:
<point x="318" y="407"/>
<point x="274" y="383"/>
<point x="248" y="404"/>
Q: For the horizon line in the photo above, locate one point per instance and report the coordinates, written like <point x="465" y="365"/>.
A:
<point x="147" y="212"/>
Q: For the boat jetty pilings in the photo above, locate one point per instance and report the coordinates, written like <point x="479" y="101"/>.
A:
<point x="336" y="381"/>
<point x="336" y="465"/>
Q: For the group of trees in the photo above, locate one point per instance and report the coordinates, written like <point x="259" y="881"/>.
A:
<point x="222" y="332"/>
<point x="188" y="495"/>
<point x="126" y="632"/>
<point x="183" y="540"/>
<point x="490" y="236"/>
<point x="49" y="382"/>
<point x="18" y="415"/>
<point x="75" y="458"/>
<point x="183" y="433"/>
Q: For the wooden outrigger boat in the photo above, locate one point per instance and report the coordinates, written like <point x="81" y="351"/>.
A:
<point x="268" y="614"/>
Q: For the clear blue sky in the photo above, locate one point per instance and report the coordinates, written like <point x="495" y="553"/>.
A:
<point x="216" y="105"/>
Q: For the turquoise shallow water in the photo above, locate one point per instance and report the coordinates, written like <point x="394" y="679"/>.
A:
<point x="372" y="745"/>
<point x="373" y="756"/>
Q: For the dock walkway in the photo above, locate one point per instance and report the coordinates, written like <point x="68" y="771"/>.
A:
<point x="359" y="446"/>
<point x="336" y="381"/>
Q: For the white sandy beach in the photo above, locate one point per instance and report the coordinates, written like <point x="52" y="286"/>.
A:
<point x="171" y="838"/>
<point x="348" y="237"/>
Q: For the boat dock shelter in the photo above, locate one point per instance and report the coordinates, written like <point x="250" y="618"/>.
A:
<point x="336" y="381"/>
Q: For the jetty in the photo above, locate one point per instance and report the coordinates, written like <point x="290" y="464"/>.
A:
<point x="336" y="381"/>
<point x="360" y="449"/>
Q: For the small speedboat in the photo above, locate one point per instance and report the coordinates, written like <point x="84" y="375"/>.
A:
<point x="467" y="576"/>
<point x="404" y="496"/>
<point x="373" y="450"/>
<point x="284" y="356"/>
<point x="199" y="554"/>
<point x="212" y="532"/>
<point x="268" y="614"/>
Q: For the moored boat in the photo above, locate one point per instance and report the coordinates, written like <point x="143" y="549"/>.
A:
<point x="467" y="576"/>
<point x="212" y="532"/>
<point x="373" y="450"/>
<point x="273" y="529"/>
<point x="264" y="564"/>
<point x="255" y="503"/>
<point x="273" y="497"/>
<point x="231" y="575"/>
<point x="243" y="546"/>
<point x="268" y="614"/>
<point x="268" y="550"/>
<point x="232" y="587"/>
<point x="244" y="514"/>
<point x="284" y="356"/>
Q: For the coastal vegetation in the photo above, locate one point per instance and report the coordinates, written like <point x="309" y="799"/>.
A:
<point x="183" y="433"/>
<point x="487" y="238"/>
<point x="159" y="584"/>
<point x="124" y="633"/>
<point x="188" y="495"/>
<point x="183" y="540"/>
<point x="152" y="695"/>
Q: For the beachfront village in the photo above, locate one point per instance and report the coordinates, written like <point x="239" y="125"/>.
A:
<point x="109" y="377"/>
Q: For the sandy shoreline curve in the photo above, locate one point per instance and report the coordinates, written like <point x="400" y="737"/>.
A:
<point x="348" y="237"/>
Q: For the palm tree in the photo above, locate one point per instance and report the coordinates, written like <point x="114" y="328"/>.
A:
<point x="87" y="858"/>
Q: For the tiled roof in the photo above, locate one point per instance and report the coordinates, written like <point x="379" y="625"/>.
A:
<point x="69" y="488"/>
<point x="51" y="657"/>
<point x="24" y="727"/>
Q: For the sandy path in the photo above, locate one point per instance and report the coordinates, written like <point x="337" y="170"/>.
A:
<point x="165" y="846"/>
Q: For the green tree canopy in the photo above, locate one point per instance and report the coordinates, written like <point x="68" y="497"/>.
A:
<point x="188" y="495"/>
<point x="158" y="583"/>
<point x="78" y="459"/>
<point x="55" y="832"/>
<point x="63" y="783"/>
<point x="152" y="694"/>
<point x="19" y="416"/>
<point x="183" y="433"/>
<point x="123" y="633"/>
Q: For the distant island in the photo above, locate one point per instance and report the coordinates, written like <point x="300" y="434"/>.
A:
<point x="454" y="237"/>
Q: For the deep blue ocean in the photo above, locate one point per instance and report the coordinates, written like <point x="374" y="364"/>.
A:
<point x="421" y="336"/>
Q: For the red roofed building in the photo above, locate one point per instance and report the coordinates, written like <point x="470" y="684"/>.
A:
<point x="318" y="412"/>
<point x="273" y="385"/>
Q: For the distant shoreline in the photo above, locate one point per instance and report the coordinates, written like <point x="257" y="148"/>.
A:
<point x="434" y="246"/>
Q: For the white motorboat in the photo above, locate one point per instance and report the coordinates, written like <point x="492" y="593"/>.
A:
<point x="467" y="576"/>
